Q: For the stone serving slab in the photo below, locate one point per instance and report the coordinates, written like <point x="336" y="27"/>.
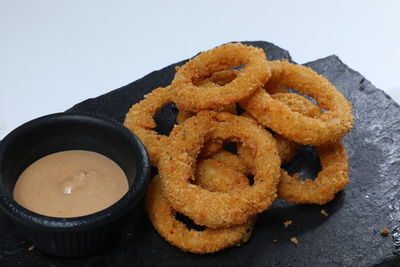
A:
<point x="349" y="236"/>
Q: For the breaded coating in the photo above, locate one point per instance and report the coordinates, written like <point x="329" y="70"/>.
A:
<point x="331" y="126"/>
<point x="218" y="209"/>
<point x="175" y="232"/>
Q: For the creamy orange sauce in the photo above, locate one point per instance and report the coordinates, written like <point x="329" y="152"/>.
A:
<point x="70" y="184"/>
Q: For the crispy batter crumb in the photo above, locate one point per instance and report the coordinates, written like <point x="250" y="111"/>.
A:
<point x="31" y="248"/>
<point x="287" y="223"/>
<point x="385" y="232"/>
<point x="294" y="240"/>
<point x="323" y="212"/>
<point x="296" y="176"/>
<point x="274" y="240"/>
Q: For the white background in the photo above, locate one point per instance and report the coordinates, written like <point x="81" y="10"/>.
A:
<point x="56" y="53"/>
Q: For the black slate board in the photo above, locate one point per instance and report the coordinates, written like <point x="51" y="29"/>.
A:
<point x="349" y="236"/>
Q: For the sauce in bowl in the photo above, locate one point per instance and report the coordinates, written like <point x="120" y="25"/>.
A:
<point x="70" y="184"/>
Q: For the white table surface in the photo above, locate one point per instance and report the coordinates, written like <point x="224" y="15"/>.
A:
<point x="54" y="54"/>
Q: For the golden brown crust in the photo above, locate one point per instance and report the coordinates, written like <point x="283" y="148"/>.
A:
<point x="188" y="96"/>
<point x="184" y="115"/>
<point x="331" y="179"/>
<point x="220" y="174"/>
<point x="287" y="148"/>
<point x="175" y="232"/>
<point x="297" y="103"/>
<point x="231" y="161"/>
<point x="330" y="127"/>
<point x="139" y="120"/>
<point x="217" y="209"/>
<point x="217" y="79"/>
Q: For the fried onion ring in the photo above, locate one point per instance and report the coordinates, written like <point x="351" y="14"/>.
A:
<point x="188" y="96"/>
<point x="297" y="103"/>
<point x="218" y="209"/>
<point x="331" y="179"/>
<point x="287" y="148"/>
<point x="331" y="126"/>
<point x="273" y="88"/>
<point x="211" y="147"/>
<point x="162" y="216"/>
<point x="220" y="174"/>
<point x="140" y="121"/>
<point x="184" y="115"/>
<point x="231" y="161"/>
<point x="219" y="78"/>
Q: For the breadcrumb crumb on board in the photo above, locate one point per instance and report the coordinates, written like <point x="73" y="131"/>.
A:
<point x="294" y="240"/>
<point x="385" y="232"/>
<point x="287" y="223"/>
<point x="323" y="212"/>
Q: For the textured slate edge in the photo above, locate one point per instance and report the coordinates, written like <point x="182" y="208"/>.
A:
<point x="366" y="86"/>
<point x="388" y="128"/>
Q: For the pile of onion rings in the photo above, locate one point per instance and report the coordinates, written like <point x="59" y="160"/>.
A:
<point x="285" y="106"/>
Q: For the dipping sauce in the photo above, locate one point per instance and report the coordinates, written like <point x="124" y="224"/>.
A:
<point x="70" y="184"/>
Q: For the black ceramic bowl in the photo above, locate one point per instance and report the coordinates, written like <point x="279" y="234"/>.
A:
<point x="72" y="237"/>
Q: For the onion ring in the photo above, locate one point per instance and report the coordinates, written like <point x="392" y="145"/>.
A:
<point x="297" y="103"/>
<point x="162" y="216"/>
<point x="139" y="120"/>
<point x="231" y="161"/>
<point x="218" y="209"/>
<point x="273" y="88"/>
<point x="219" y="78"/>
<point x="211" y="147"/>
<point x="184" y="115"/>
<point x="287" y="148"/>
<point x="219" y="174"/>
<point x="330" y="127"/>
<point x="190" y="97"/>
<point x="331" y="179"/>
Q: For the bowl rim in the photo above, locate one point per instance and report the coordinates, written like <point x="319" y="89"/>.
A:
<point x="43" y="222"/>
